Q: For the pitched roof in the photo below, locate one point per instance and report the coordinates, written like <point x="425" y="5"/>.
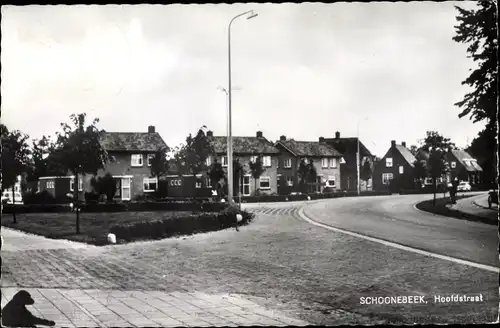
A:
<point x="244" y="145"/>
<point x="132" y="141"/>
<point x="310" y="148"/>
<point x="348" y="146"/>
<point x="466" y="160"/>
<point x="406" y="153"/>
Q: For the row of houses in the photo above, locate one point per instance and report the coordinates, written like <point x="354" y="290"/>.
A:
<point x="334" y="160"/>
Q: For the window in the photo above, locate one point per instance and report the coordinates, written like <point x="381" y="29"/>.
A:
<point x="305" y="160"/>
<point x="208" y="161"/>
<point x="150" y="184"/>
<point x="253" y="159"/>
<point x="401" y="169"/>
<point x="150" y="159"/>
<point x="72" y="184"/>
<point x="265" y="183"/>
<point x="50" y="185"/>
<point x="288" y="163"/>
<point x="331" y="181"/>
<point x="333" y="162"/>
<point x="224" y="161"/>
<point x="38" y="186"/>
<point x="209" y="183"/>
<point x="428" y="181"/>
<point x="198" y="183"/>
<point x="388" y="162"/>
<point x="386" y="177"/>
<point x="453" y="165"/>
<point x="324" y="162"/>
<point x="289" y="181"/>
<point x="266" y="161"/>
<point x="136" y="160"/>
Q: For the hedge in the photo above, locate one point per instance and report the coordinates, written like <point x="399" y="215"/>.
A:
<point x="36" y="208"/>
<point x="299" y="197"/>
<point x="185" y="225"/>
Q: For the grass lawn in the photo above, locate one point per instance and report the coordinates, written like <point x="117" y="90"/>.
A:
<point x="94" y="227"/>
<point x="441" y="208"/>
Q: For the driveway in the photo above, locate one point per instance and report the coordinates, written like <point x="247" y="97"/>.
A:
<point x="281" y="263"/>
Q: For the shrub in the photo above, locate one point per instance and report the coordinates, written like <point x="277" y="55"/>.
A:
<point x="183" y="225"/>
<point x="44" y="197"/>
<point x="36" y="208"/>
<point x="91" y="197"/>
<point x="105" y="185"/>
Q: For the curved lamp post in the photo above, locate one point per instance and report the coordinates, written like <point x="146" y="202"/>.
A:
<point x="358" y="160"/>
<point x="250" y="14"/>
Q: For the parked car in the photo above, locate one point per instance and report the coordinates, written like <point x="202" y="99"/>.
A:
<point x="7" y="197"/>
<point x="464" y="186"/>
<point x="492" y="197"/>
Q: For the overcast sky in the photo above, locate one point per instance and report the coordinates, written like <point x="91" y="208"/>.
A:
<point x="304" y="70"/>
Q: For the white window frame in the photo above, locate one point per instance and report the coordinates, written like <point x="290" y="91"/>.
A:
<point x="386" y="178"/>
<point x="287" y="163"/>
<point x="453" y="164"/>
<point x="388" y="162"/>
<point x="324" y="163"/>
<point x="149" y="181"/>
<point x="208" y="161"/>
<point x="331" y="178"/>
<point x="260" y="183"/>
<point x="198" y="183"/>
<point x="224" y="160"/>
<point x="150" y="159"/>
<point x="332" y="163"/>
<point x="208" y="182"/>
<point x="72" y="184"/>
<point x="253" y="159"/>
<point x="50" y="185"/>
<point x="266" y="161"/>
<point x="289" y="181"/>
<point x="428" y="181"/>
<point x="135" y="158"/>
<point x="401" y="169"/>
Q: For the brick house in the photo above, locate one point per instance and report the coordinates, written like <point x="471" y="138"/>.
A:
<point x="348" y="147"/>
<point x="246" y="149"/>
<point x="130" y="165"/>
<point x="326" y="161"/>
<point x="463" y="166"/>
<point x="395" y="170"/>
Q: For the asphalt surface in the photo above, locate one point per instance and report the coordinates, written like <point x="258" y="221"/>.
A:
<point x="394" y="218"/>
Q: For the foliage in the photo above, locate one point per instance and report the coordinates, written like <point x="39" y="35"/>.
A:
<point x="238" y="172"/>
<point x="434" y="140"/>
<point x="191" y="157"/>
<point x="307" y="174"/>
<point x="414" y="150"/>
<point x="256" y="169"/>
<point x="160" y="163"/>
<point x="420" y="170"/>
<point x="366" y="171"/>
<point x="216" y="174"/>
<point x="478" y="29"/>
<point x="42" y="162"/>
<point x="15" y="155"/>
<point x="483" y="148"/>
<point x="437" y="166"/>
<point x="105" y="185"/>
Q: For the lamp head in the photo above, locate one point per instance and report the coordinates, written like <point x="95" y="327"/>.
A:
<point x="252" y="14"/>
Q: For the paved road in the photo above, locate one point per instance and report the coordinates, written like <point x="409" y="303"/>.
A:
<point x="394" y="218"/>
<point x="280" y="263"/>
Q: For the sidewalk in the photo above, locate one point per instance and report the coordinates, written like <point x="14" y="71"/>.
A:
<point x="483" y="203"/>
<point x="468" y="206"/>
<point x="106" y="308"/>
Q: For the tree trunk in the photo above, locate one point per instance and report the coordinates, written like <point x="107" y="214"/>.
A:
<point x="435" y="190"/>
<point x="14" y="204"/>
<point x="76" y="205"/>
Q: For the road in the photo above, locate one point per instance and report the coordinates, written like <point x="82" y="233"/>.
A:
<point x="284" y="263"/>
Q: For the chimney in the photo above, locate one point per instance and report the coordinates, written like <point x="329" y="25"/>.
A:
<point x="393" y="143"/>
<point x="321" y="139"/>
<point x="283" y="138"/>
<point x="403" y="143"/>
<point x="259" y="134"/>
<point x="337" y="135"/>
<point x="210" y="134"/>
<point x="151" y="129"/>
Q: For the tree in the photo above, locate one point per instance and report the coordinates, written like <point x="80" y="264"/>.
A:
<point x="420" y="171"/>
<point x="79" y="151"/>
<point x="160" y="164"/>
<point x="478" y="29"/>
<point x="414" y="150"/>
<point x="257" y="168"/>
<point x="434" y="140"/>
<point x="191" y="158"/>
<point x="437" y="167"/>
<point x="483" y="148"/>
<point x="105" y="185"/>
<point x="307" y="174"/>
<point x="366" y="171"/>
<point x="15" y="157"/>
<point x="215" y="174"/>
<point x="238" y="172"/>
<point x="42" y="161"/>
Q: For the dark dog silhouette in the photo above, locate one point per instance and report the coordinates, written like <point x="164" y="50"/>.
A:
<point x="15" y="313"/>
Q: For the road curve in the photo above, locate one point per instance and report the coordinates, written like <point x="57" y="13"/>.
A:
<point x="394" y="218"/>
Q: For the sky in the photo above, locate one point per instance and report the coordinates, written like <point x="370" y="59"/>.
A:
<point x="300" y="70"/>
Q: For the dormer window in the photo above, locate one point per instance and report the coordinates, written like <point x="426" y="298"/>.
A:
<point x="324" y="162"/>
<point x="150" y="159"/>
<point x="136" y="160"/>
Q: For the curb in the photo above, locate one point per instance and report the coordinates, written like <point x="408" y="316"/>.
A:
<point x="485" y="207"/>
<point x="388" y="243"/>
<point x="467" y="216"/>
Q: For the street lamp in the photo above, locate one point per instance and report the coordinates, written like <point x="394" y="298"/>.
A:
<point x="250" y="14"/>
<point x="358" y="180"/>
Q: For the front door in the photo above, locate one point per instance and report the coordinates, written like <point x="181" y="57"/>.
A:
<point x="318" y="183"/>
<point x="125" y="188"/>
<point x="246" y="185"/>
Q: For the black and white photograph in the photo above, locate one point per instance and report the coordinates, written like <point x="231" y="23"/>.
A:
<point x="249" y="164"/>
